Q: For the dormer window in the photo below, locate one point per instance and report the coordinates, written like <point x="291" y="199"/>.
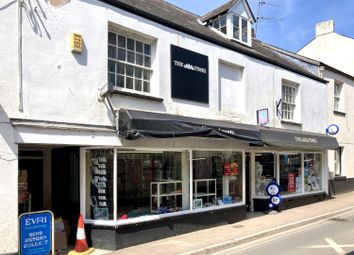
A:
<point x="240" y="34"/>
<point x="220" y="24"/>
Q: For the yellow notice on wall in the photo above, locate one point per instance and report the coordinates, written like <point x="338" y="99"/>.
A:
<point x="76" y="42"/>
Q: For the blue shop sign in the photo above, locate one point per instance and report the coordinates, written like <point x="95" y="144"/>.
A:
<point x="36" y="233"/>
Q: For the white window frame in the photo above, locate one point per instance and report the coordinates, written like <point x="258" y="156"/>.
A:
<point x="147" y="70"/>
<point x="217" y="24"/>
<point x="115" y="221"/>
<point x="338" y="167"/>
<point x="241" y="30"/>
<point x="289" y="95"/>
<point x="277" y="173"/>
<point x="338" y="96"/>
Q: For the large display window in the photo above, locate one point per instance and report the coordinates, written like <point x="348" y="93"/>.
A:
<point x="265" y="171"/>
<point x="217" y="178"/>
<point x="290" y="173"/>
<point x="151" y="183"/>
<point x="99" y="184"/>
<point x="312" y="172"/>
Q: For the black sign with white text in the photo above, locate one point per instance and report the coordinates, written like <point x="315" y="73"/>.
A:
<point x="189" y="75"/>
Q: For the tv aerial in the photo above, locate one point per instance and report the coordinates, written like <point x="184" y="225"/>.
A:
<point x="261" y="18"/>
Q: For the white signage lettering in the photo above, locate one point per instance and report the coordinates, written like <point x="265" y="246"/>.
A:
<point x="305" y="139"/>
<point x="189" y="66"/>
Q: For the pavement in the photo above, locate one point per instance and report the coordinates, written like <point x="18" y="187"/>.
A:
<point x="257" y="225"/>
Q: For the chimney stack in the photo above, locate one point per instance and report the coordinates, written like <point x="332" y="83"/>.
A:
<point x="324" y="27"/>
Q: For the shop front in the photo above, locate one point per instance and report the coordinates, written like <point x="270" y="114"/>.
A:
<point x="197" y="174"/>
<point x="297" y="161"/>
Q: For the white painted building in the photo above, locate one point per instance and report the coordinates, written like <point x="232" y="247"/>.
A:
<point x="334" y="49"/>
<point x="65" y="116"/>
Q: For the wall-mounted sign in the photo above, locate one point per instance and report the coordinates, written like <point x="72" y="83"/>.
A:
<point x="332" y="129"/>
<point x="263" y="117"/>
<point x="189" y="75"/>
<point x="36" y="233"/>
<point x="76" y="42"/>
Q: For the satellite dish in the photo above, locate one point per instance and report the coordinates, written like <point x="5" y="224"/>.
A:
<point x="59" y="2"/>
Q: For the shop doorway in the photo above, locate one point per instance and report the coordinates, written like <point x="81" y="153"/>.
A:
<point x="49" y="179"/>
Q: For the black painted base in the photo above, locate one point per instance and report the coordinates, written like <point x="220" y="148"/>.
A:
<point x="340" y="185"/>
<point x="114" y="238"/>
<point x="261" y="205"/>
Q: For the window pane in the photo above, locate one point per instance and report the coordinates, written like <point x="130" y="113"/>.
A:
<point x="130" y="83"/>
<point x="139" y="59"/>
<point x="112" y="52"/>
<point x="244" y="30"/>
<point x="121" y="54"/>
<point x="146" y="86"/>
<point x="217" y="178"/>
<point x="99" y="184"/>
<point x="111" y="66"/>
<point x="131" y="57"/>
<point x="223" y="21"/>
<point x="130" y="44"/>
<point x="290" y="173"/>
<point x="121" y="41"/>
<point x="147" y="49"/>
<point x="223" y="30"/>
<point x="130" y="70"/>
<point x="138" y="85"/>
<point x="152" y="183"/>
<point x="120" y="81"/>
<point x="138" y="73"/>
<point x="121" y="68"/>
<point x="264" y="172"/>
<point x="139" y="47"/>
<point x="147" y="61"/>
<point x="112" y="38"/>
<point x="312" y="172"/>
<point x="111" y="79"/>
<point x="146" y="75"/>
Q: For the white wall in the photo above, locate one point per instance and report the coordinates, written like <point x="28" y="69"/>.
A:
<point x="332" y="49"/>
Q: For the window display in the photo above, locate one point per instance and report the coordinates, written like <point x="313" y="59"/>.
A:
<point x="217" y="178"/>
<point x="151" y="183"/>
<point x="264" y="166"/>
<point x="312" y="172"/>
<point x="290" y="173"/>
<point x="99" y="165"/>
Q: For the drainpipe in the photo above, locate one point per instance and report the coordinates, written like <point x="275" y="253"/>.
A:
<point x="20" y="68"/>
<point x="104" y="94"/>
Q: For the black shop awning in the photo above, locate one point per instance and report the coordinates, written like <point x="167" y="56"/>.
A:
<point x="297" y="139"/>
<point x="138" y="124"/>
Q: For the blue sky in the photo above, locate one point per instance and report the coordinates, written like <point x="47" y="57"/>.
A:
<point x="296" y="18"/>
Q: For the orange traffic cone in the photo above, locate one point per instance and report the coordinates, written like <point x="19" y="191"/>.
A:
<point x="81" y="246"/>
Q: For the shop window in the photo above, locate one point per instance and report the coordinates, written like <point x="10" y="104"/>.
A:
<point x="217" y="178"/>
<point x="264" y="166"/>
<point x="152" y="183"/>
<point x="129" y="62"/>
<point x="312" y="172"/>
<point x="99" y="184"/>
<point x="288" y="101"/>
<point x="220" y="24"/>
<point x="290" y="173"/>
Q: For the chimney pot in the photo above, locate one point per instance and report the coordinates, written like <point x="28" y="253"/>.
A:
<point x="324" y="27"/>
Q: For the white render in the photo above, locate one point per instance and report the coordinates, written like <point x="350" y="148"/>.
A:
<point x="331" y="48"/>
<point x="62" y="86"/>
<point x="335" y="50"/>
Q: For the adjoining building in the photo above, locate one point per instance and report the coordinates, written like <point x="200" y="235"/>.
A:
<point x="150" y="120"/>
<point x="334" y="51"/>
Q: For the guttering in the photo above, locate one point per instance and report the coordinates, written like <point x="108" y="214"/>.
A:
<point x="207" y="38"/>
<point x="104" y="94"/>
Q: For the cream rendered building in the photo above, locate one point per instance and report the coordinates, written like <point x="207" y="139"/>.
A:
<point x="333" y="49"/>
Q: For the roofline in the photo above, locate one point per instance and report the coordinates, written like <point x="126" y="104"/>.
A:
<point x="213" y="40"/>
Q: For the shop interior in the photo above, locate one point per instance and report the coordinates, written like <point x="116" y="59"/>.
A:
<point x="49" y="180"/>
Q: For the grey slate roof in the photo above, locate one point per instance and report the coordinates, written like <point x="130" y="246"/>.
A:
<point x="223" y="9"/>
<point x="176" y="18"/>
